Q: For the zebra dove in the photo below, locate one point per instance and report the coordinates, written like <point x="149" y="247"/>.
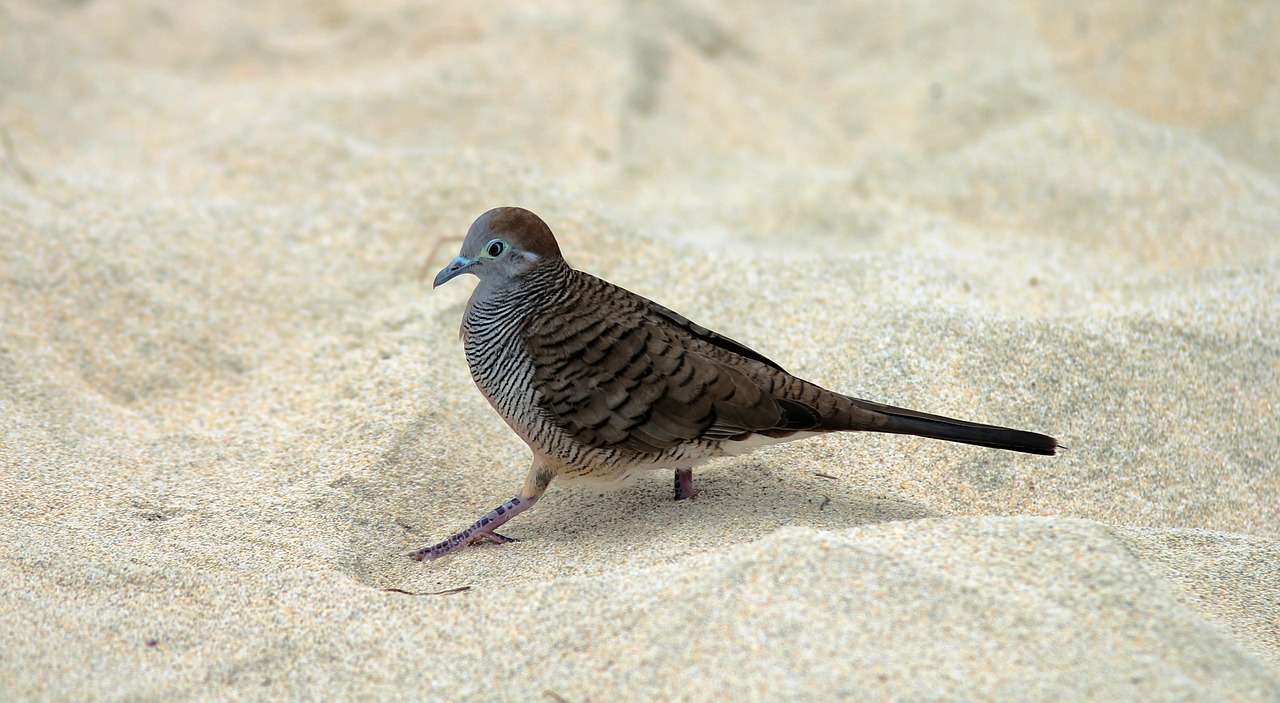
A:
<point x="602" y="383"/>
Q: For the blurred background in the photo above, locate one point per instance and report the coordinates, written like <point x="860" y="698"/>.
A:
<point x="717" y="122"/>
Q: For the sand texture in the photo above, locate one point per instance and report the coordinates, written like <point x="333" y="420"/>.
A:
<point x="230" y="402"/>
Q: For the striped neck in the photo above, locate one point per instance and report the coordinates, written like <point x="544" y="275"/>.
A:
<point x="513" y="300"/>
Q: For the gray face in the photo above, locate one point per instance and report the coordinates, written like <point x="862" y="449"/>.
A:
<point x="501" y="244"/>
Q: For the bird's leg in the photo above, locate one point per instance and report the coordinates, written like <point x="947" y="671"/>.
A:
<point x="484" y="529"/>
<point x="481" y="531"/>
<point x="684" y="484"/>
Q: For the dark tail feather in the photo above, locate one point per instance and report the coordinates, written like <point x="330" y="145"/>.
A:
<point x="904" y="421"/>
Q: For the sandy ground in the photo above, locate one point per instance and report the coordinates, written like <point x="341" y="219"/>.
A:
<point x="230" y="402"/>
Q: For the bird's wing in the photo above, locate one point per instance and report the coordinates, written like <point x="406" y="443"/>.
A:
<point x="620" y="371"/>
<point x="714" y="338"/>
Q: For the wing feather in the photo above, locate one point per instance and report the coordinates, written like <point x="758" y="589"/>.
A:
<point x="621" y="371"/>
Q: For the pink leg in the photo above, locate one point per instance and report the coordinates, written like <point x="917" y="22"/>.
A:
<point x="684" y="484"/>
<point x="481" y="531"/>
<point x="535" y="484"/>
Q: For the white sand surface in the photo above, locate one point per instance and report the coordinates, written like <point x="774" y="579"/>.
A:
<point x="230" y="402"/>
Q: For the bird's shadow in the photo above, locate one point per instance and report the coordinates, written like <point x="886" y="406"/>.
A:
<point x="731" y="507"/>
<point x="584" y="527"/>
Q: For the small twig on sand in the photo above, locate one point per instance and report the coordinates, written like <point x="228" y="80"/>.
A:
<point x="445" y="592"/>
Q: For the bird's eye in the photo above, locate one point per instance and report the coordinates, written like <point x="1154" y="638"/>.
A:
<point x="495" y="248"/>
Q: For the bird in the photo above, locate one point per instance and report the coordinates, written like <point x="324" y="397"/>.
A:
<point x="603" y="384"/>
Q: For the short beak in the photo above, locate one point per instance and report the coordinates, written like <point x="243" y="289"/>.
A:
<point x="456" y="268"/>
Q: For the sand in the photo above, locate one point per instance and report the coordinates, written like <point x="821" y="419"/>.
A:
<point x="230" y="402"/>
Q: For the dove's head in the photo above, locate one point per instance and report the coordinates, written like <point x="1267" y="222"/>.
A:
<point x="501" y="245"/>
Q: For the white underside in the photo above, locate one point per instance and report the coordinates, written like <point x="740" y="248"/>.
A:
<point x="727" y="449"/>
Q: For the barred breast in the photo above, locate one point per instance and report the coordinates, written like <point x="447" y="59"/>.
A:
<point x="531" y="350"/>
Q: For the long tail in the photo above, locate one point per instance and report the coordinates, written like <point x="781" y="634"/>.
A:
<point x="904" y="421"/>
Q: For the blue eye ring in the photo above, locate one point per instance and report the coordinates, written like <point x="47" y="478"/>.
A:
<point x="495" y="248"/>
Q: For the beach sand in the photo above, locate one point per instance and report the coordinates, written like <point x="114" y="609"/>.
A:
<point x="231" y="404"/>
